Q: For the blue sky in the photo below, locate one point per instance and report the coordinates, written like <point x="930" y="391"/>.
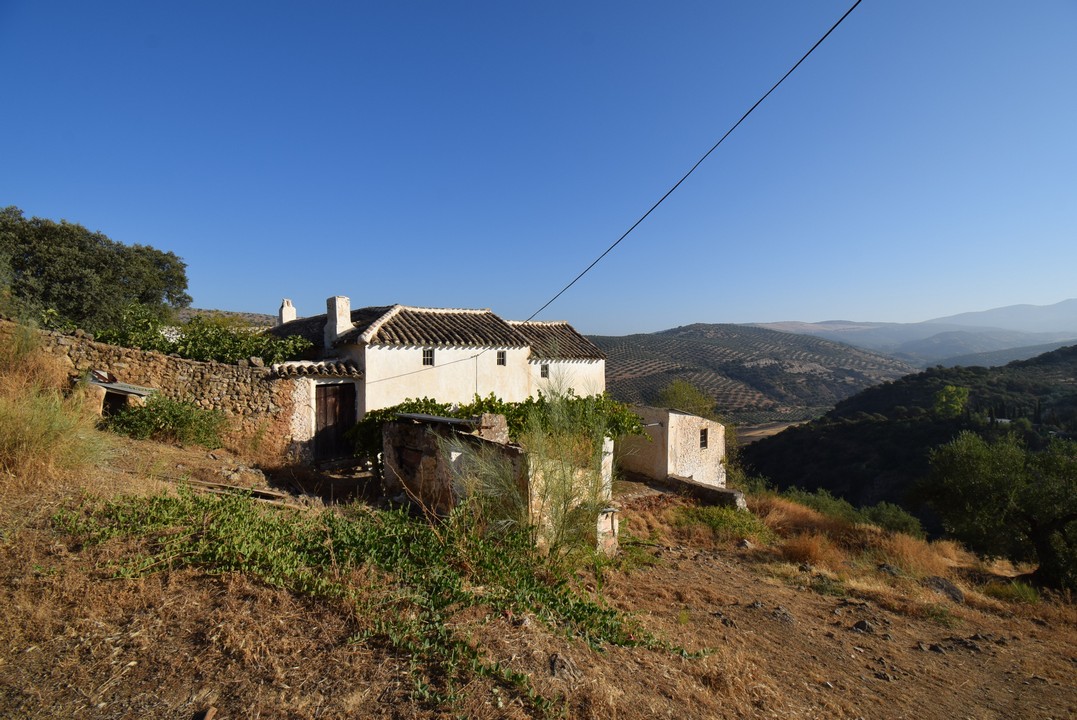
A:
<point x="922" y="162"/>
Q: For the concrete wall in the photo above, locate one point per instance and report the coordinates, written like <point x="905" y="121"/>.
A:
<point x="394" y="374"/>
<point x="260" y="406"/>
<point x="674" y="448"/>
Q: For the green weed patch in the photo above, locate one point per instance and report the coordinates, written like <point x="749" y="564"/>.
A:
<point x="726" y="523"/>
<point x="415" y="576"/>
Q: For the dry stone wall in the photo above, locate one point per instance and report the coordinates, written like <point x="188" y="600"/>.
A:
<point x="259" y="405"/>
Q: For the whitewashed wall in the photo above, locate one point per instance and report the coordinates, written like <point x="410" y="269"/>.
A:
<point x="584" y="377"/>
<point x="674" y="449"/>
<point x="394" y="374"/>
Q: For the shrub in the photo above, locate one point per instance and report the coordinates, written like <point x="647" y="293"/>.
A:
<point x="894" y="518"/>
<point x="167" y="420"/>
<point x="1015" y="591"/>
<point x="887" y="516"/>
<point x="725" y="523"/>
<point x="201" y="338"/>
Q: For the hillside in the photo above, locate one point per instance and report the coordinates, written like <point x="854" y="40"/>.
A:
<point x="755" y="374"/>
<point x="784" y="628"/>
<point x="933" y="341"/>
<point x="874" y="446"/>
<point x="1002" y="357"/>
<point x="146" y="579"/>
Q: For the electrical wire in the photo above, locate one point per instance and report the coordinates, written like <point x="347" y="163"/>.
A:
<point x="698" y="162"/>
<point x="660" y="200"/>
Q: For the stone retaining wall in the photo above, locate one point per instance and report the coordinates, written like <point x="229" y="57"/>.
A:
<point x="259" y="405"/>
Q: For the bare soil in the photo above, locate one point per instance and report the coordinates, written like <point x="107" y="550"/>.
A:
<point x="75" y="642"/>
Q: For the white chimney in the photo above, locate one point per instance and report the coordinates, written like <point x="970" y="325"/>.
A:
<point x="286" y="312"/>
<point x="338" y="318"/>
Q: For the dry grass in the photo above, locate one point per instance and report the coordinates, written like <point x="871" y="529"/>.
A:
<point x="44" y="433"/>
<point x="788" y="518"/>
<point x="916" y="556"/>
<point x="814" y="549"/>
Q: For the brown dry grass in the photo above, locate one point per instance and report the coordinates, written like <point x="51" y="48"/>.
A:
<point x="813" y="548"/>
<point x="46" y="433"/>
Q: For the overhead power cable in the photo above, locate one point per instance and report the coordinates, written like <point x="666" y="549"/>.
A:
<point x="698" y="162"/>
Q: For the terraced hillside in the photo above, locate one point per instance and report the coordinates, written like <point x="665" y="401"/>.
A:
<point x="755" y="375"/>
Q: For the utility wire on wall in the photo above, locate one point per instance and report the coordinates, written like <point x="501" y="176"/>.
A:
<point x="698" y="162"/>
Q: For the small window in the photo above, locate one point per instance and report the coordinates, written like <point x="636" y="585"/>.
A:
<point x="544" y="371"/>
<point x="501" y="357"/>
<point x="428" y="356"/>
<point x="703" y="439"/>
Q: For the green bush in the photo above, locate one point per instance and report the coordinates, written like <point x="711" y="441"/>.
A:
<point x="726" y="523"/>
<point x="595" y="415"/>
<point x="887" y="516"/>
<point x="168" y="420"/>
<point x="1015" y="591"/>
<point x="201" y="338"/>
<point x="894" y="518"/>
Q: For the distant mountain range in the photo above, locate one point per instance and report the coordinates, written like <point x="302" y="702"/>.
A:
<point x="1024" y="330"/>
<point x="754" y="374"/>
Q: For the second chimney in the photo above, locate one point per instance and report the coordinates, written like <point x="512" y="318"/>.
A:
<point x="338" y="318"/>
<point x="286" y="312"/>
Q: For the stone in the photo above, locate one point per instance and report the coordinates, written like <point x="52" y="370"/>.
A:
<point x="863" y="626"/>
<point x="944" y="587"/>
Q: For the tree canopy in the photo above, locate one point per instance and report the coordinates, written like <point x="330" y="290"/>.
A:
<point x="683" y="395"/>
<point x="1006" y="501"/>
<point x="64" y="275"/>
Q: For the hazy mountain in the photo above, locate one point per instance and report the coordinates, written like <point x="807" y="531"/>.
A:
<point x="1002" y="357"/>
<point x="754" y="374"/>
<point x="929" y="342"/>
<point x="1060" y="317"/>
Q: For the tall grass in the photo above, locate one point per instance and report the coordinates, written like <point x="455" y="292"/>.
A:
<point x="43" y="432"/>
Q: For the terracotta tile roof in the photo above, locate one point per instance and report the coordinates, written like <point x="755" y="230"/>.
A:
<point x="556" y="341"/>
<point x="328" y="368"/>
<point x="403" y="325"/>
<point x="313" y="328"/>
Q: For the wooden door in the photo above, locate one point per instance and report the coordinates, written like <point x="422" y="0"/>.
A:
<point x="334" y="409"/>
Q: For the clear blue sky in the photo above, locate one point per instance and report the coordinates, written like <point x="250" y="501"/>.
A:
<point x="923" y="162"/>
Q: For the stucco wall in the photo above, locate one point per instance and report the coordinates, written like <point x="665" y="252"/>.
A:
<point x="260" y="406"/>
<point x="674" y="448"/>
<point x="686" y="458"/>
<point x="584" y="377"/>
<point x="394" y="374"/>
<point x="646" y="456"/>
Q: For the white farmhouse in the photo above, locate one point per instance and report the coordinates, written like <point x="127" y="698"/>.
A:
<point x="376" y="357"/>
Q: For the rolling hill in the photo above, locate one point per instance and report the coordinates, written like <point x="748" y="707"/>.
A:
<point x="933" y="341"/>
<point x="875" y="445"/>
<point x="754" y="374"/>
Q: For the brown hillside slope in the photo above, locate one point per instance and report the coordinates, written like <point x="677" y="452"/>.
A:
<point x="777" y="638"/>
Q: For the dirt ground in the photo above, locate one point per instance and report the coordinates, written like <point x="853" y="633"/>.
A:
<point x="761" y="642"/>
